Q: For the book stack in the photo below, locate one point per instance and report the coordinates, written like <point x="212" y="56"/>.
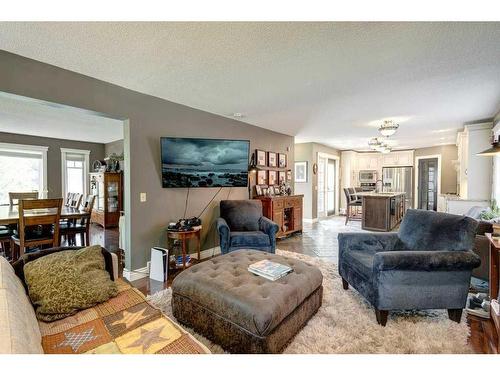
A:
<point x="179" y="261"/>
<point x="269" y="270"/>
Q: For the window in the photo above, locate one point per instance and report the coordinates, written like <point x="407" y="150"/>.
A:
<point x="74" y="171"/>
<point x="22" y="168"/>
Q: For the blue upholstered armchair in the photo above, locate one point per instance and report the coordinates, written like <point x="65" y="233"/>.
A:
<point x="242" y="226"/>
<point x="426" y="265"/>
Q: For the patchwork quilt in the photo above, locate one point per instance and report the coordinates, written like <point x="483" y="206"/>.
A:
<point x="125" y="324"/>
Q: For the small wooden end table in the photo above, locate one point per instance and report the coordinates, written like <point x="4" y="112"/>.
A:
<point x="184" y="236"/>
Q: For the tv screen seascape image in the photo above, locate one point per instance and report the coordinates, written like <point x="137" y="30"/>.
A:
<point x="189" y="162"/>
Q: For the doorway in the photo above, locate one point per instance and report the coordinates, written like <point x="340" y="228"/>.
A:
<point x="327" y="185"/>
<point x="428" y="183"/>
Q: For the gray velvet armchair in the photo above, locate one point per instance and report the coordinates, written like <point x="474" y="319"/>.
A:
<point x="242" y="226"/>
<point x="426" y="265"/>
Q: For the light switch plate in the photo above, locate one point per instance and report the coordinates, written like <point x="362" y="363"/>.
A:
<point x="143" y="197"/>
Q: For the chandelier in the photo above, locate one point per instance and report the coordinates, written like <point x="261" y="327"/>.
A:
<point x="379" y="145"/>
<point x="388" y="128"/>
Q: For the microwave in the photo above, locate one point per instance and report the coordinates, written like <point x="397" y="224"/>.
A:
<point x="367" y="176"/>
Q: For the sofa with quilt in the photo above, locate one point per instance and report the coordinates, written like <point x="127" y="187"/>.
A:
<point x="124" y="324"/>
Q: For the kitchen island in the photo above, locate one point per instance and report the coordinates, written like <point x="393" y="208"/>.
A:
<point x="382" y="211"/>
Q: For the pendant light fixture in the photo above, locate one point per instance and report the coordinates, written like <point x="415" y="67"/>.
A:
<point x="388" y="128"/>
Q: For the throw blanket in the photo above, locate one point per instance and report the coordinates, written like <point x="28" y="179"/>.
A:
<point x="124" y="324"/>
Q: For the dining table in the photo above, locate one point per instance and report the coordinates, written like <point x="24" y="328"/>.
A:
<point x="10" y="214"/>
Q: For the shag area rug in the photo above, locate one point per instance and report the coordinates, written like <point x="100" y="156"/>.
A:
<point x="346" y="323"/>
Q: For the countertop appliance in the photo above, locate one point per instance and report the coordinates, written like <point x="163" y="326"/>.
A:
<point x="367" y="186"/>
<point x="367" y="176"/>
<point x="399" y="179"/>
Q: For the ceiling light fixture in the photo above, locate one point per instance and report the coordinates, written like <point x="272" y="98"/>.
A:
<point x="388" y="128"/>
<point x="237" y="115"/>
<point x="373" y="143"/>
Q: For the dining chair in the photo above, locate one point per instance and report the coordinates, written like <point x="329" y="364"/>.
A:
<point x="71" y="229"/>
<point x="15" y="197"/>
<point x="352" y="203"/>
<point x="75" y="200"/>
<point x="67" y="200"/>
<point x="5" y="247"/>
<point x="38" y="224"/>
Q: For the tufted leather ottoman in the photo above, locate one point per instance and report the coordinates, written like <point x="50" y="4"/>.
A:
<point x="242" y="312"/>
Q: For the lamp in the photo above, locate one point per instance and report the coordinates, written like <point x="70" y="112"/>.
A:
<point x="252" y="167"/>
<point x="388" y="128"/>
<point x="493" y="150"/>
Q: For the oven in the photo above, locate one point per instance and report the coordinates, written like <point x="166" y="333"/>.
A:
<point x="367" y="176"/>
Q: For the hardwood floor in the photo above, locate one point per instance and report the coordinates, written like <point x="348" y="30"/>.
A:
<point x="319" y="240"/>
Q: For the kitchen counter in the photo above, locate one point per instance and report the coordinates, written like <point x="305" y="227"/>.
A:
<point x="379" y="195"/>
<point x="382" y="211"/>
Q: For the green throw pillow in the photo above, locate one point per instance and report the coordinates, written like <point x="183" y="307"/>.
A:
<point x="63" y="283"/>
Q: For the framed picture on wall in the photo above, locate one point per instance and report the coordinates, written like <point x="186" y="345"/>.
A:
<point x="261" y="177"/>
<point x="272" y="159"/>
<point x="273" y="178"/>
<point x="260" y="156"/>
<point x="289" y="175"/>
<point x="301" y="171"/>
<point x="282" y="160"/>
<point x="281" y="177"/>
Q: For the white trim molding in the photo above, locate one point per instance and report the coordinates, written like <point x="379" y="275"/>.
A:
<point x="337" y="180"/>
<point x="32" y="149"/>
<point x="86" y="157"/>
<point x="417" y="158"/>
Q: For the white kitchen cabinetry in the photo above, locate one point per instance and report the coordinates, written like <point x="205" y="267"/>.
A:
<point x="398" y="159"/>
<point x="368" y="161"/>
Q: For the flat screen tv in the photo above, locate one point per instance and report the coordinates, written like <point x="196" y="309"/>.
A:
<point x="195" y="162"/>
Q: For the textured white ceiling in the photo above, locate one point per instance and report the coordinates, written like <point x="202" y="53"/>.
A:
<point x="322" y="82"/>
<point x="25" y="116"/>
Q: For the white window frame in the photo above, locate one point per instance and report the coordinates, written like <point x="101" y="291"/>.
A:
<point x="32" y="149"/>
<point x="86" y="155"/>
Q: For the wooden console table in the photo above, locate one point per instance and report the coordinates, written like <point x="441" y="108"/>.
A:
<point x="286" y="211"/>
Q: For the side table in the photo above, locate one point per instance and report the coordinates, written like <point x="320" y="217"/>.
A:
<point x="184" y="236"/>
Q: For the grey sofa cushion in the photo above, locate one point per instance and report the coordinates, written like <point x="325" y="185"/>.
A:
<point x="429" y="230"/>
<point x="250" y="239"/>
<point x="225" y="287"/>
<point x="241" y="215"/>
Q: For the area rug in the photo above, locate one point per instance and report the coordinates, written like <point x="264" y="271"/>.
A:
<point x="346" y="323"/>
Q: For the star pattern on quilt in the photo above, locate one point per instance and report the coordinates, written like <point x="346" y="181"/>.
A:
<point x="129" y="318"/>
<point x="148" y="338"/>
<point x="76" y="340"/>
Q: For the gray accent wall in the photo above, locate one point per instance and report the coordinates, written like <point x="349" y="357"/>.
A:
<point x="54" y="170"/>
<point x="116" y="147"/>
<point x="448" y="153"/>
<point x="146" y="119"/>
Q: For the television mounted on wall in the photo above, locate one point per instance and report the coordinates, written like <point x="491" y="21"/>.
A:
<point x="196" y="162"/>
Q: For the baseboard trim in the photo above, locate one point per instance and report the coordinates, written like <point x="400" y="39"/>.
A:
<point x="208" y="253"/>
<point x="311" y="221"/>
<point x="141" y="273"/>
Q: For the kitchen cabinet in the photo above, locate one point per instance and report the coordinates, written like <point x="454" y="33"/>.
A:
<point x="398" y="158"/>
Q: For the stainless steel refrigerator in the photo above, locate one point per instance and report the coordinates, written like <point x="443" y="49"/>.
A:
<point x="399" y="179"/>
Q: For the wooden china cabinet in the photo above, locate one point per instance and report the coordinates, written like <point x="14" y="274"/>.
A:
<point x="108" y="190"/>
<point x="286" y="211"/>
